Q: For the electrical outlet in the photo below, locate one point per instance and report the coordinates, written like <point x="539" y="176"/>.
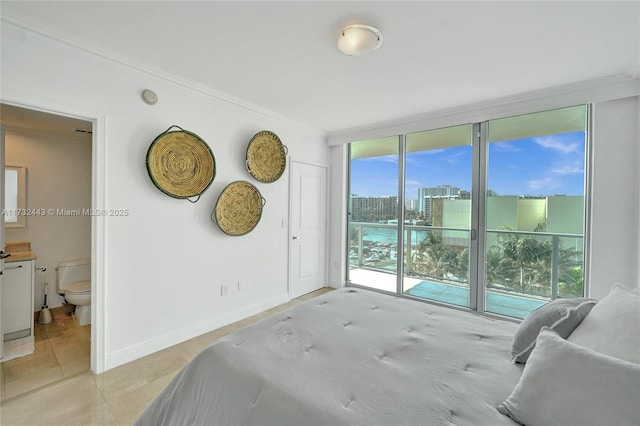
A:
<point x="223" y="290"/>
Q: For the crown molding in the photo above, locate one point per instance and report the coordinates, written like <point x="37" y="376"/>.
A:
<point x="20" y="27"/>
<point x="601" y="89"/>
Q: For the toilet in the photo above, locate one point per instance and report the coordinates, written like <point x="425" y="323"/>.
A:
<point x="73" y="281"/>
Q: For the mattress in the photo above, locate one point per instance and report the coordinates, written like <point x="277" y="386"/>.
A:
<point x="351" y="356"/>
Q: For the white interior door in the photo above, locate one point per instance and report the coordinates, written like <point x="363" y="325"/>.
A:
<point x="307" y="228"/>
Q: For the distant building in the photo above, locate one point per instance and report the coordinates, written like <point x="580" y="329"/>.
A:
<point x="443" y="192"/>
<point x="373" y="209"/>
<point x="411" y="204"/>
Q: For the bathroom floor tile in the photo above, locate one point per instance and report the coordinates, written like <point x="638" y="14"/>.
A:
<point x="33" y="365"/>
<point x="82" y="365"/>
<point x="32" y="381"/>
<point x="71" y="351"/>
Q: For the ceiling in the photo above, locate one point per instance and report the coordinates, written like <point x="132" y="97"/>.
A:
<point x="282" y="56"/>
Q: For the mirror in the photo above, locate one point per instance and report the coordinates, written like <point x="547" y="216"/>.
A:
<point x="14" y="196"/>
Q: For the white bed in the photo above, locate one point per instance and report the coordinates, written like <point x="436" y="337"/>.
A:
<point x="354" y="357"/>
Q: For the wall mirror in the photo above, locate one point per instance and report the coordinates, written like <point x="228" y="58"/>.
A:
<point x="14" y="196"/>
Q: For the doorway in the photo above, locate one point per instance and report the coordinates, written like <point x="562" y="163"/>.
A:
<point x="308" y="222"/>
<point x="57" y="153"/>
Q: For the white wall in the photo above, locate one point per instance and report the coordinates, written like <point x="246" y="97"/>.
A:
<point x="58" y="177"/>
<point x="161" y="267"/>
<point x="615" y="209"/>
<point x="615" y="250"/>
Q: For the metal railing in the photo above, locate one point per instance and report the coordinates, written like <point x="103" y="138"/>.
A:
<point x="374" y="246"/>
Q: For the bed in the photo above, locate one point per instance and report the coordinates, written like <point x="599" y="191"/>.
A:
<point x="351" y="356"/>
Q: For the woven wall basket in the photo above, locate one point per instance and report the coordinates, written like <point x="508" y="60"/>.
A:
<point x="238" y="209"/>
<point x="181" y="164"/>
<point x="266" y="157"/>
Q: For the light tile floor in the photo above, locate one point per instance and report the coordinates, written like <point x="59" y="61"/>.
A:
<point x="62" y="349"/>
<point x="118" y="396"/>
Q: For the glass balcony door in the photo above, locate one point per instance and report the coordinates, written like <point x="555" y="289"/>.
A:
<point x="488" y="216"/>
<point x="373" y="214"/>
<point x="437" y="214"/>
<point x="535" y="210"/>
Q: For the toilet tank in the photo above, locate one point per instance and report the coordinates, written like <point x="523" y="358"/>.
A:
<point x="72" y="271"/>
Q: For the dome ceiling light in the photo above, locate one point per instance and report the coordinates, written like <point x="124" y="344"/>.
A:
<point x="357" y="39"/>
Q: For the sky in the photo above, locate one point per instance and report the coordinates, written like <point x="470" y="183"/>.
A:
<point x="545" y="165"/>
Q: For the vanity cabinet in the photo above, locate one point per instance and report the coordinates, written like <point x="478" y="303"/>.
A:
<point x="17" y="299"/>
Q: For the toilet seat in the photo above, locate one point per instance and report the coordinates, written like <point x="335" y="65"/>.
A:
<point x="79" y="287"/>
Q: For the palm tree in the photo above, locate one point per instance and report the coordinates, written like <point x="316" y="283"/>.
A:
<point x="436" y="259"/>
<point x="499" y="270"/>
<point x="524" y="253"/>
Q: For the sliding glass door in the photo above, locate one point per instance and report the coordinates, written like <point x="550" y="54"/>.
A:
<point x="488" y="216"/>
<point x="437" y="220"/>
<point x="373" y="214"/>
<point x="535" y="210"/>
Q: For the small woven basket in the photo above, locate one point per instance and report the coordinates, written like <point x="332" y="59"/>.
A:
<point x="181" y="164"/>
<point x="266" y="157"/>
<point x="238" y="209"/>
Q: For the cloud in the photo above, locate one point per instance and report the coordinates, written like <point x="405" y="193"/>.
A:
<point x="574" y="168"/>
<point x="546" y="183"/>
<point x="455" y="157"/>
<point x="391" y="158"/>
<point x="505" y="147"/>
<point x="552" y="178"/>
<point x="558" y="144"/>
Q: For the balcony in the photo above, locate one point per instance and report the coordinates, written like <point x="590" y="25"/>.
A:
<point x="523" y="270"/>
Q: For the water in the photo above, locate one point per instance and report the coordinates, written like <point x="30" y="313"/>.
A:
<point x="499" y="303"/>
<point x="390" y="235"/>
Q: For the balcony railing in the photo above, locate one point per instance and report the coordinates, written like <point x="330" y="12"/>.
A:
<point x="540" y="264"/>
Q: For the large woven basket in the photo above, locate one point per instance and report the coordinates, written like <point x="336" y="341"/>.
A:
<point x="238" y="209"/>
<point x="181" y="164"/>
<point x="266" y="157"/>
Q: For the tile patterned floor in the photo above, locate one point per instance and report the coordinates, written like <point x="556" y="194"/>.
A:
<point x="116" y="397"/>
<point x="62" y="349"/>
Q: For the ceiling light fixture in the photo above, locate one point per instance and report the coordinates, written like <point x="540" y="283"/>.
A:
<point x="357" y="39"/>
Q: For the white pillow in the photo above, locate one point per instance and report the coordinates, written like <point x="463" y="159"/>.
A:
<point x="613" y="325"/>
<point x="566" y="384"/>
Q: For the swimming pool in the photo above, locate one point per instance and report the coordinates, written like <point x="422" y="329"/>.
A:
<point x="499" y="303"/>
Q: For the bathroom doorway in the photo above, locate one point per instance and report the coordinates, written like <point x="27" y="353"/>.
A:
<point x="56" y="153"/>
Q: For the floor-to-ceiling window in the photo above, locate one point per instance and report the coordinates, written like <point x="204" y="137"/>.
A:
<point x="438" y="179"/>
<point x="373" y="213"/>
<point x="490" y="215"/>
<point x="535" y="209"/>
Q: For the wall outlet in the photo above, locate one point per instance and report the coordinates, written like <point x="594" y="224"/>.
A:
<point x="223" y="290"/>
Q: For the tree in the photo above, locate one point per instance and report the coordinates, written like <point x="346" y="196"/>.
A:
<point x="436" y="259"/>
<point x="525" y="253"/>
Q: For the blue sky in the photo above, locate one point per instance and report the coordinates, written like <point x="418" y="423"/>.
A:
<point x="545" y="165"/>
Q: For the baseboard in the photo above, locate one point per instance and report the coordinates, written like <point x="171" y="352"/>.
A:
<point x="150" y="346"/>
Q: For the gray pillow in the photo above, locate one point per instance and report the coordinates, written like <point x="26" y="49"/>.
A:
<point x="561" y="315"/>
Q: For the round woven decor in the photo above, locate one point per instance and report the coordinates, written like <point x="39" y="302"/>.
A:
<point x="180" y="164"/>
<point x="238" y="209"/>
<point x="266" y="157"/>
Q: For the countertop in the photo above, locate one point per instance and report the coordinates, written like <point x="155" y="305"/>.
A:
<point x="19" y="252"/>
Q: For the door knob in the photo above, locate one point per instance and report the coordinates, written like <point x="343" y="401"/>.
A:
<point x="295" y="237"/>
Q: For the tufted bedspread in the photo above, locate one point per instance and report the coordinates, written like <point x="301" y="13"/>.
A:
<point x="352" y="357"/>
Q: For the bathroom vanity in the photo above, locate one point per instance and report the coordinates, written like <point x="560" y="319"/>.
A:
<point x="17" y="292"/>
